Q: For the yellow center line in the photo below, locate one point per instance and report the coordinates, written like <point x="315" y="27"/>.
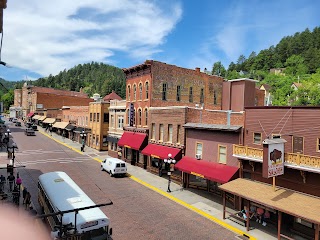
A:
<point x="167" y="195"/>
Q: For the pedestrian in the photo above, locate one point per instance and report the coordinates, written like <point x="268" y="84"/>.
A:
<point x="15" y="195"/>
<point x="2" y="182"/>
<point x="28" y="200"/>
<point x="11" y="179"/>
<point x="18" y="182"/>
<point x="24" y="194"/>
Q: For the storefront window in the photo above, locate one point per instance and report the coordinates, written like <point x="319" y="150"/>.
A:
<point x="197" y="182"/>
<point x="155" y="162"/>
<point x="104" y="141"/>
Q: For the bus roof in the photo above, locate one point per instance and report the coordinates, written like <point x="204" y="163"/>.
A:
<point x="65" y="194"/>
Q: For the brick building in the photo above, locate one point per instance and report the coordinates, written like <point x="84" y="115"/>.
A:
<point x="46" y="101"/>
<point x="299" y="186"/>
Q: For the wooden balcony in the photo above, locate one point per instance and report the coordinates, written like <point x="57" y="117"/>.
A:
<point x="293" y="160"/>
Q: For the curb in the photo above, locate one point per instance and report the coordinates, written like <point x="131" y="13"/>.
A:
<point x="167" y="195"/>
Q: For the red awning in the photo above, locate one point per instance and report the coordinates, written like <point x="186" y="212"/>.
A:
<point x="216" y="172"/>
<point x="30" y="114"/>
<point x="161" y="152"/>
<point x="133" y="140"/>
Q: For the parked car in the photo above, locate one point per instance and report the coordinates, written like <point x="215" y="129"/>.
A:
<point x="14" y="120"/>
<point x="10" y="119"/>
<point x="34" y="127"/>
<point x="29" y="132"/>
<point x="18" y="124"/>
<point x="114" y="166"/>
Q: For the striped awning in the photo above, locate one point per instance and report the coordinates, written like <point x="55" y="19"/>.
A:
<point x="49" y="120"/>
<point x="41" y="118"/>
<point x="36" y="117"/>
<point x="61" y="125"/>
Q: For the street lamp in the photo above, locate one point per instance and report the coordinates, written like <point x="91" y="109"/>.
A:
<point x="83" y="135"/>
<point x="6" y="140"/>
<point x="171" y="163"/>
<point x="10" y="166"/>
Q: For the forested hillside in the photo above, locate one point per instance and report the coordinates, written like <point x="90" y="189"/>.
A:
<point x="92" y="77"/>
<point x="298" y="55"/>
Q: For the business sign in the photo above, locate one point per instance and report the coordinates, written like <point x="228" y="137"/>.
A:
<point x="273" y="157"/>
<point x="39" y="105"/>
<point x="131" y="115"/>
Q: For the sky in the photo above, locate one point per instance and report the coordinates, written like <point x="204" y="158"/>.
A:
<point x="43" y="37"/>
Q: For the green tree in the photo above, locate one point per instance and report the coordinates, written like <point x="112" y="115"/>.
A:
<point x="295" y="65"/>
<point x="218" y="69"/>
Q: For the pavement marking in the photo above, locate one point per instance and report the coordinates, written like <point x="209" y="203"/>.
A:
<point x="165" y="194"/>
<point x="202" y="213"/>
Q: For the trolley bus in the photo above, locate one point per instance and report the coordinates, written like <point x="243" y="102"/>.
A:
<point x="57" y="192"/>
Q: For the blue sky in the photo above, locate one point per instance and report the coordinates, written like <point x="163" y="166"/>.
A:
<point x="43" y="37"/>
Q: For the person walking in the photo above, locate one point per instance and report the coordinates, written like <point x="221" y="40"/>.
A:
<point x="18" y="182"/>
<point x="11" y="179"/>
<point x="24" y="194"/>
<point x="2" y="182"/>
<point x="27" y="200"/>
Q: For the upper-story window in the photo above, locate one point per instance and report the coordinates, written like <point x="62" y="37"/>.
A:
<point x="106" y="117"/>
<point x="257" y="138"/>
<point x="90" y="117"/>
<point x="164" y="91"/>
<point x="201" y="95"/>
<point x="222" y="154"/>
<point x="98" y="117"/>
<point x="161" y="132"/>
<point x="178" y="93"/>
<point x="153" y="131"/>
<point x="190" y="94"/>
<point x="147" y="90"/>
<point x="139" y="117"/>
<point x="215" y="97"/>
<point x="146" y="115"/>
<point x="134" y="92"/>
<point x="120" y="122"/>
<point x="178" y="133"/>
<point x="94" y="117"/>
<point x="170" y="132"/>
<point x="129" y="92"/>
<point x="140" y="91"/>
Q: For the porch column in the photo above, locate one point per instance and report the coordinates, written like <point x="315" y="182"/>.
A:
<point x="316" y="235"/>
<point x="248" y="215"/>
<point x="279" y="224"/>
<point x="224" y="204"/>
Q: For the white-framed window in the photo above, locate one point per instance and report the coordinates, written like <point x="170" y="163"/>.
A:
<point x="134" y="92"/>
<point x="112" y="121"/>
<point x="257" y="138"/>
<point x="147" y="90"/>
<point x="199" y="148"/>
<point x="140" y="91"/>
<point x="222" y="154"/>
<point x="120" y="122"/>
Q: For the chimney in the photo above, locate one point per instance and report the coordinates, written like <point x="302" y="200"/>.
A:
<point x="197" y="69"/>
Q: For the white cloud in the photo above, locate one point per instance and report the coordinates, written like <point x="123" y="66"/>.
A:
<point x="49" y="36"/>
<point x="246" y="26"/>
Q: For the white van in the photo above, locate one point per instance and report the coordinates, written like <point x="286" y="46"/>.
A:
<point x="114" y="166"/>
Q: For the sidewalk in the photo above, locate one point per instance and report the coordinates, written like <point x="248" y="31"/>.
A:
<point x="203" y="204"/>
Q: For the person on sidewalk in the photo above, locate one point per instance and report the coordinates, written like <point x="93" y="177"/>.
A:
<point x="24" y="194"/>
<point x="2" y="182"/>
<point x="18" y="181"/>
<point x="11" y="179"/>
<point x="27" y="201"/>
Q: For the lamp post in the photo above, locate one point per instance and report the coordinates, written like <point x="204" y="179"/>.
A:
<point x="7" y="138"/>
<point x="171" y="163"/>
<point x="83" y="135"/>
<point x="10" y="166"/>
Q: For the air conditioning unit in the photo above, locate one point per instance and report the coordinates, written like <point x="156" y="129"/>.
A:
<point x="198" y="156"/>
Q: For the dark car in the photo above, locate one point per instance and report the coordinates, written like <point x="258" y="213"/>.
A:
<point x="34" y="127"/>
<point x="18" y="124"/>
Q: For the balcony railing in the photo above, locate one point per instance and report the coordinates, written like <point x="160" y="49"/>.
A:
<point x="290" y="159"/>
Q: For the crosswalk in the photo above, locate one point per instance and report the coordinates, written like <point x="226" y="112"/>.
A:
<point x="37" y="159"/>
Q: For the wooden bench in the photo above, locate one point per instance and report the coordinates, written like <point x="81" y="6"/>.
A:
<point x="236" y="216"/>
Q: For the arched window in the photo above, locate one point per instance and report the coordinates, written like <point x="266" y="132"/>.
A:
<point x="139" y="117"/>
<point x="147" y="90"/>
<point x="140" y="91"/>
<point x="146" y="115"/>
<point x="129" y="92"/>
<point x="128" y="117"/>
<point x="134" y="92"/>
